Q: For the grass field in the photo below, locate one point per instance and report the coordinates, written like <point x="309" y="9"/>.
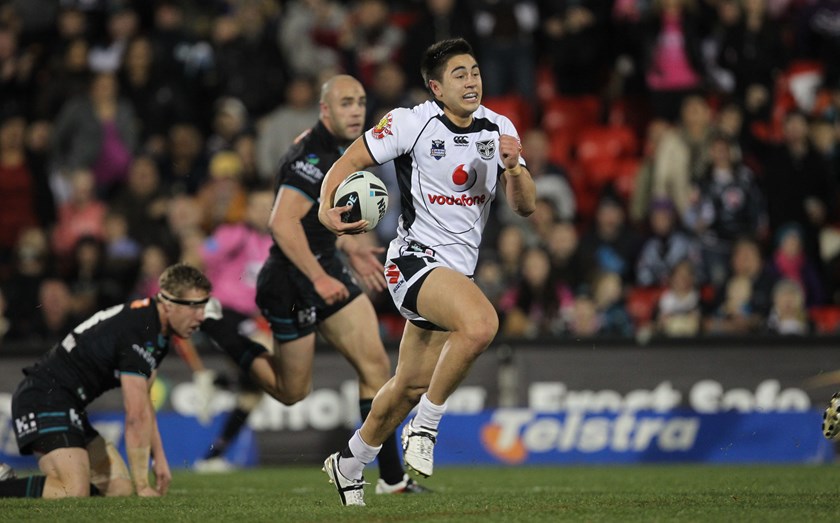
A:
<point x="646" y="493"/>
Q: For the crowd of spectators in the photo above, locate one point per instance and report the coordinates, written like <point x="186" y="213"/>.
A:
<point x="686" y="152"/>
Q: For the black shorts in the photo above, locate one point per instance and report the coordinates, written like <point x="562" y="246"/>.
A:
<point x="231" y="331"/>
<point x="288" y="299"/>
<point x="47" y="417"/>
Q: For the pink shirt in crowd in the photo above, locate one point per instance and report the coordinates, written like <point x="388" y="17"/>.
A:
<point x="671" y="69"/>
<point x="233" y="257"/>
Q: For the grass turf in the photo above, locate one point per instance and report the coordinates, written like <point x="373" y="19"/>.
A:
<point x="631" y="493"/>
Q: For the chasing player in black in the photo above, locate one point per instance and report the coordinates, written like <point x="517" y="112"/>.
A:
<point x="305" y="287"/>
<point x="121" y="346"/>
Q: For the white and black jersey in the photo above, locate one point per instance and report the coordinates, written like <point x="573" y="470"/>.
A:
<point x="447" y="177"/>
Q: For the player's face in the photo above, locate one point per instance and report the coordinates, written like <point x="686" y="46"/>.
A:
<point x="186" y="319"/>
<point x="460" y="88"/>
<point x="343" y="111"/>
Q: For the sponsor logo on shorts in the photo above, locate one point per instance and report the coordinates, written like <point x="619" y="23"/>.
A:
<point x="26" y="424"/>
<point x="392" y="273"/>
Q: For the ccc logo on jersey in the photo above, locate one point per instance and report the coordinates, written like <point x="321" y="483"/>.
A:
<point x="463" y="178"/>
<point x="461" y="141"/>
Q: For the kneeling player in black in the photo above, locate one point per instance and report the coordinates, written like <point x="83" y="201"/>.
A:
<point x="117" y="347"/>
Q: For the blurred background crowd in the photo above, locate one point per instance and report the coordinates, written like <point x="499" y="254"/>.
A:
<point x="685" y="151"/>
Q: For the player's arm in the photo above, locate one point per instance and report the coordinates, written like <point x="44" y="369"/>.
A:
<point x="163" y="475"/>
<point x="355" y="158"/>
<point x="290" y="207"/>
<point x="139" y="427"/>
<point x="519" y="187"/>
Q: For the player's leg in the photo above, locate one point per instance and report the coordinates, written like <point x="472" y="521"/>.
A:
<point x="831" y="417"/>
<point x="472" y="324"/>
<point x="67" y="472"/>
<point x="354" y="331"/>
<point x="46" y="425"/>
<point x="247" y="399"/>
<point x="419" y="351"/>
<point x="455" y="303"/>
<point x="108" y="471"/>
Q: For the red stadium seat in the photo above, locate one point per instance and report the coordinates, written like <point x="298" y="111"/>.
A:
<point x="826" y="318"/>
<point x="625" y="177"/>
<point x="641" y="303"/>
<point x="600" y="142"/>
<point x="514" y="107"/>
<point x="570" y="113"/>
<point x="560" y="149"/>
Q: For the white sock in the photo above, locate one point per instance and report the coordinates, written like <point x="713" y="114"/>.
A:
<point x="428" y="414"/>
<point x="362" y="455"/>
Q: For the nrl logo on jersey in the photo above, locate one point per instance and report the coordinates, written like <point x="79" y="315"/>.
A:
<point x="438" y="149"/>
<point x="486" y="149"/>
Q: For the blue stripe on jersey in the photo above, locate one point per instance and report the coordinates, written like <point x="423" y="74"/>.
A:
<point x="286" y="336"/>
<point x="298" y="190"/>
<point x="53" y="429"/>
<point x="51" y="414"/>
<point x="134" y="374"/>
<point x="275" y="319"/>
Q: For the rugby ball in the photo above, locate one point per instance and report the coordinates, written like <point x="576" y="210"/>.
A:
<point x="366" y="194"/>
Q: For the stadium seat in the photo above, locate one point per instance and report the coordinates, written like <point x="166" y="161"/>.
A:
<point x="641" y="304"/>
<point x="570" y="113"/>
<point x="546" y="88"/>
<point x="625" y="177"/>
<point x="601" y="149"/>
<point x="560" y="148"/>
<point x="598" y="142"/>
<point x="514" y="107"/>
<point x="826" y="318"/>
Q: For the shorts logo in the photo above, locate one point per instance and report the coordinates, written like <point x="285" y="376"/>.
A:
<point x="486" y="149"/>
<point x="306" y="317"/>
<point x="438" y="149"/>
<point x="383" y="128"/>
<point x="26" y="424"/>
<point x="461" y="141"/>
<point x="392" y="273"/>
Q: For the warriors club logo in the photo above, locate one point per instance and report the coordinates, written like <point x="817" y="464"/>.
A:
<point x="486" y="149"/>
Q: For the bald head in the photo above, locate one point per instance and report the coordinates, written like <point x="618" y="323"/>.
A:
<point x="343" y="103"/>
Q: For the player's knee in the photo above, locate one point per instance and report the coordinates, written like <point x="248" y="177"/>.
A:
<point x="290" y="397"/>
<point x="75" y="490"/>
<point x="119" y="488"/>
<point x="480" y="331"/>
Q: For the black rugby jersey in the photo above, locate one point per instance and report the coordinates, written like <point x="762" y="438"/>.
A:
<point x="303" y="169"/>
<point x="124" y="338"/>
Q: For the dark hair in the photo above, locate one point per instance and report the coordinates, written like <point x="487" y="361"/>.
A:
<point x="436" y="56"/>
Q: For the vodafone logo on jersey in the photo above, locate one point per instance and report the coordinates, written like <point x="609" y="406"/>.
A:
<point x="461" y="180"/>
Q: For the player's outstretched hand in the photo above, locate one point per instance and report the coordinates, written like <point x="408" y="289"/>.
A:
<point x="509" y="148"/>
<point x="163" y="476"/>
<point x="331" y="219"/>
<point x="368" y="268"/>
